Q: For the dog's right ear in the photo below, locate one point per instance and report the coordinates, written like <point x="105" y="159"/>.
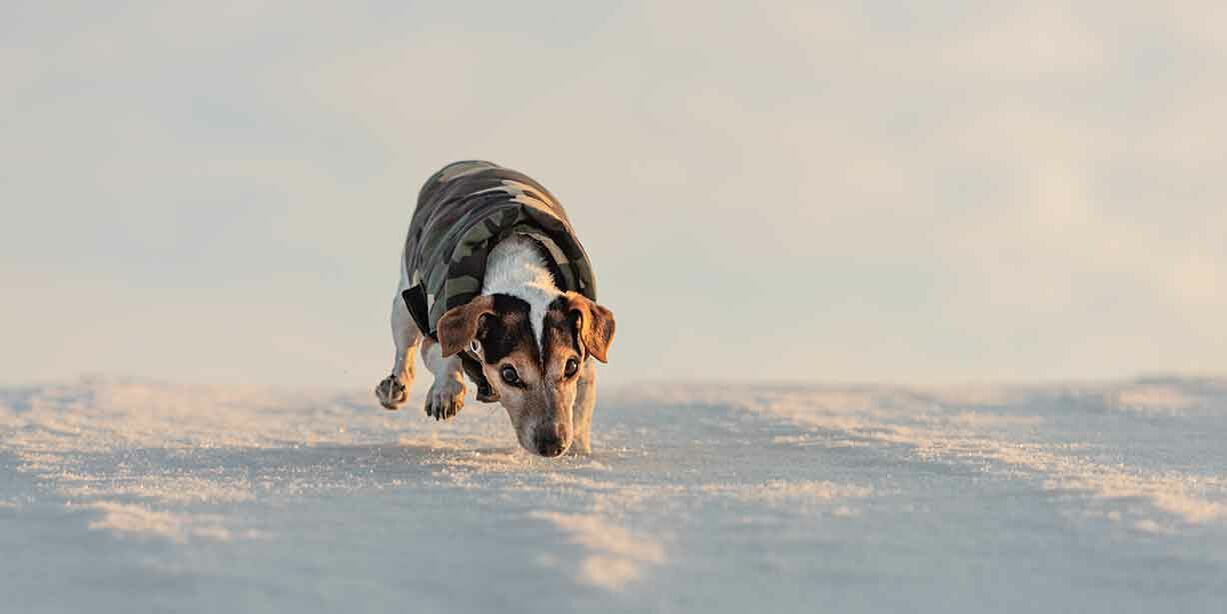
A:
<point x="458" y="326"/>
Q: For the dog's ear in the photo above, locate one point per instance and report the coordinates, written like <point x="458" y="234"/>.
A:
<point x="458" y="326"/>
<point x="596" y="324"/>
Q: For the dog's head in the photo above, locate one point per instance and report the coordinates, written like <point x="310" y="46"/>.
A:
<point x="533" y="374"/>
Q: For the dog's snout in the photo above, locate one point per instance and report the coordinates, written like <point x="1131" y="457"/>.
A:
<point x="551" y="440"/>
<point x="549" y="446"/>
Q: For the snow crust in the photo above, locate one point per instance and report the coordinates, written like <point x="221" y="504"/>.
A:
<point x="132" y="495"/>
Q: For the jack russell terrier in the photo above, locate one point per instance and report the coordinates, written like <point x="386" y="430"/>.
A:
<point x="494" y="284"/>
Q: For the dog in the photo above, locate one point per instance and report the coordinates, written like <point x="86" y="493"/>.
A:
<point x="495" y="286"/>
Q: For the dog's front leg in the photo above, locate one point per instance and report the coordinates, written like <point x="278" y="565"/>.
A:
<point x="581" y="412"/>
<point x="446" y="395"/>
<point x="394" y="389"/>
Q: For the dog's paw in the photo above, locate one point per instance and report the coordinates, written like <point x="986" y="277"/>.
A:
<point x="391" y="392"/>
<point x="445" y="398"/>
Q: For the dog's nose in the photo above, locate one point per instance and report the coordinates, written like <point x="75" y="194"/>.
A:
<point x="549" y="440"/>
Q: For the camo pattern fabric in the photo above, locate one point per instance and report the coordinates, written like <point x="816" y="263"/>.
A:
<point x="462" y="212"/>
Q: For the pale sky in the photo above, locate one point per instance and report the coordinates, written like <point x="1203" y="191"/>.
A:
<point x="864" y="191"/>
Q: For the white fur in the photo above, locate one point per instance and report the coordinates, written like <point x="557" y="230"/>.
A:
<point x="515" y="267"/>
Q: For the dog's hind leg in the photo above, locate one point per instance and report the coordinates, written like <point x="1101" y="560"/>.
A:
<point x="394" y="389"/>
<point x="446" y="394"/>
<point x="581" y="412"/>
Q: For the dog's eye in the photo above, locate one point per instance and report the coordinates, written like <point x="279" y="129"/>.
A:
<point x="572" y="367"/>
<point x="509" y="375"/>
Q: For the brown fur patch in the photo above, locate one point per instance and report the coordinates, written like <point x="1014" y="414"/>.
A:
<point x="596" y="324"/>
<point x="458" y="326"/>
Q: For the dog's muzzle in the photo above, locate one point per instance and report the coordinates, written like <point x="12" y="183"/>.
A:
<point x="550" y="440"/>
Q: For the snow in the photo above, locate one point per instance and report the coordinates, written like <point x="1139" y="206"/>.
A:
<point x="124" y="495"/>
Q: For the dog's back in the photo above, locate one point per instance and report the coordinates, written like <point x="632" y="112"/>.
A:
<point x="462" y="211"/>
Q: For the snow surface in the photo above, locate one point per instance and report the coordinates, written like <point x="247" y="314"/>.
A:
<point x="127" y="495"/>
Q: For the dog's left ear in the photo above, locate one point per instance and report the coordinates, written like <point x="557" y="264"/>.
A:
<point x="596" y="324"/>
<point x="458" y="326"/>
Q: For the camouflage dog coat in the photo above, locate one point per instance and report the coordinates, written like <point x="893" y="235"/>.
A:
<point x="463" y="211"/>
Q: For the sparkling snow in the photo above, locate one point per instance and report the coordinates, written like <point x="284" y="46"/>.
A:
<point x="127" y="495"/>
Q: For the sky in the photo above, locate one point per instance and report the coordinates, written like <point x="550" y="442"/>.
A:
<point x="844" y="191"/>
